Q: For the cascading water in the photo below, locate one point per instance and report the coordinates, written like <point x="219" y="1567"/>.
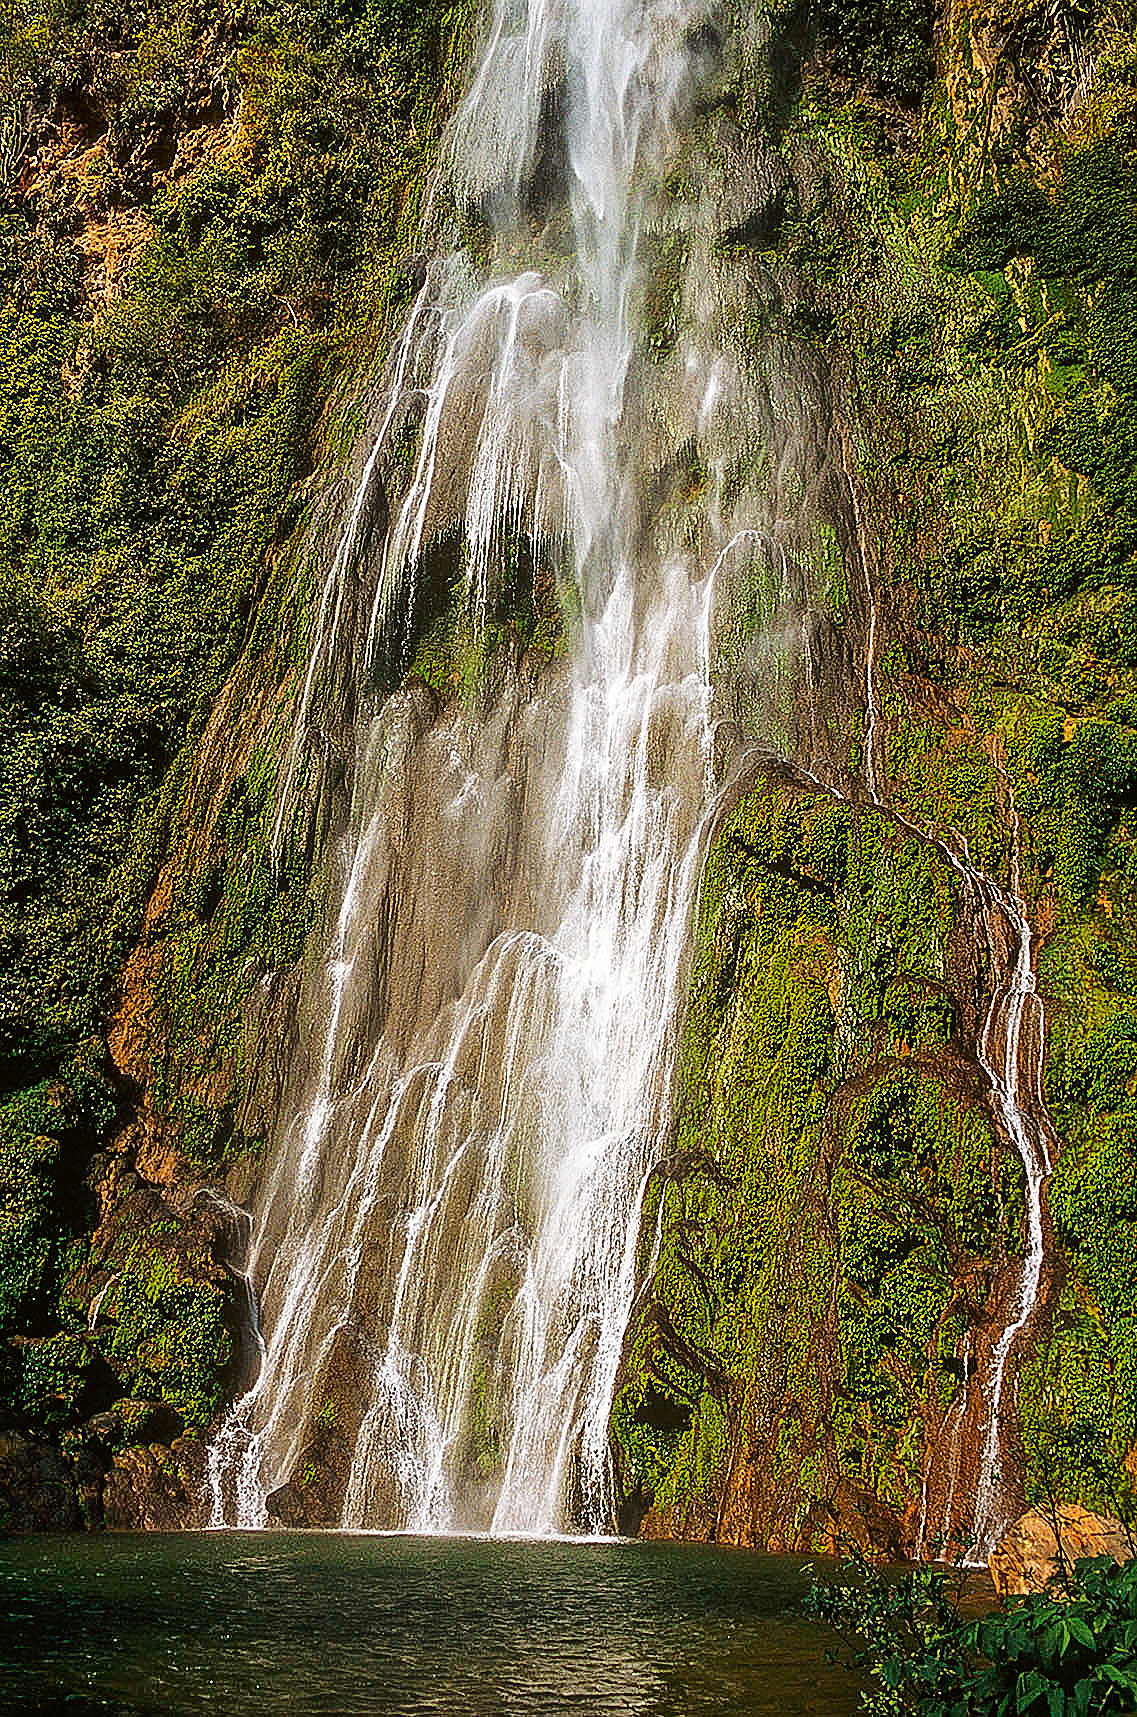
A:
<point x="1010" y="1052"/>
<point x="446" y="1240"/>
<point x="451" y="1224"/>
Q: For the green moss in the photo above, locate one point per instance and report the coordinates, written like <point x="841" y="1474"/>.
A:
<point x="236" y="919"/>
<point x="455" y="635"/>
<point x="142" y="1422"/>
<point x="887" y="44"/>
<point x="59" y="1380"/>
<point x="487" y="1444"/>
<point x="46" y="1132"/>
<point x="840" y="1189"/>
<point x="1076" y="1403"/>
<point x="167" y="1334"/>
<point x="661" y="307"/>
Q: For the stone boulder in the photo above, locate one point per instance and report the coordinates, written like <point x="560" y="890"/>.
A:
<point x="1027" y="1558"/>
<point x="158" y="1488"/>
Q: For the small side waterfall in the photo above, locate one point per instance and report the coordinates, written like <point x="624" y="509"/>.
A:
<point x="969" y="1465"/>
<point x="967" y="1503"/>
<point x="1010" y="1050"/>
<point x="96" y="1304"/>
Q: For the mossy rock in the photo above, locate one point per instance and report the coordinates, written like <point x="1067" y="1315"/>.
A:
<point x="824" y="1229"/>
<point x="62" y="1379"/>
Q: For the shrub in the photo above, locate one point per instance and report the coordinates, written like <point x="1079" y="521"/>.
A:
<point x="1065" y="1653"/>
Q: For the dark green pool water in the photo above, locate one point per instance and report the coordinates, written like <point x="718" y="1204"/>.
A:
<point x="284" y="1625"/>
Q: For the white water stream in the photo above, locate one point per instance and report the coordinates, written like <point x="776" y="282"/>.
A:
<point x="1017" y="1090"/>
<point x="462" y="1211"/>
<point x="1014" y="1073"/>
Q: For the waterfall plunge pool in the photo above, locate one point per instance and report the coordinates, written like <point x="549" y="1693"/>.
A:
<point x="295" y="1624"/>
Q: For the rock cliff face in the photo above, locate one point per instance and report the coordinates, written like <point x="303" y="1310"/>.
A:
<point x="843" y="1214"/>
<point x="920" y="229"/>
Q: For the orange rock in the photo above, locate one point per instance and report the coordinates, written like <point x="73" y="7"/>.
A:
<point x="1026" y="1559"/>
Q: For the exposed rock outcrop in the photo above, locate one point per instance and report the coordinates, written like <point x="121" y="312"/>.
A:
<point x="1039" y="1548"/>
<point x="157" y="1489"/>
<point x="37" y="1490"/>
<point x="754" y="1516"/>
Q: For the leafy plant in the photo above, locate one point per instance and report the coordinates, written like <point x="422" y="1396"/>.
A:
<point x="1066" y="1653"/>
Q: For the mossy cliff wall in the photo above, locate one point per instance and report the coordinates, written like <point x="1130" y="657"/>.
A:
<point x="840" y="1201"/>
<point x="207" y="227"/>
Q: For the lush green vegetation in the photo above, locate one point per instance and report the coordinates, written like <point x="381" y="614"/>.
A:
<point x="830" y="1218"/>
<point x="202" y="212"/>
<point x="152" y="450"/>
<point x="1066" y="1653"/>
<point x="887" y="45"/>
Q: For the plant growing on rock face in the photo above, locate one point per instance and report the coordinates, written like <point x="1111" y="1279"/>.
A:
<point x="1048" y="1654"/>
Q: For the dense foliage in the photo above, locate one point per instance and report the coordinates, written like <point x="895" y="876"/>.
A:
<point x="1069" y="1653"/>
<point x="886" y="44"/>
<point x="202" y="211"/>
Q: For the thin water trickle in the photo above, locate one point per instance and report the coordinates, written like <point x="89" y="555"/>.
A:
<point x="1022" y="1106"/>
<point x="96" y="1305"/>
<point x="1020" y="1109"/>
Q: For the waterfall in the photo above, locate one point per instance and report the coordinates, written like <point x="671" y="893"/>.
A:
<point x="446" y="1236"/>
<point x="971" y="1517"/>
<point x="446" y="1241"/>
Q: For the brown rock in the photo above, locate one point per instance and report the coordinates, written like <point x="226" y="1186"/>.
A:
<point x="314" y="1494"/>
<point x="1027" y="1560"/>
<point x="853" y="1516"/>
<point x="157" y="1489"/>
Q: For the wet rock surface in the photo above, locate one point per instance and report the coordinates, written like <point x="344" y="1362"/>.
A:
<point x="37" y="1487"/>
